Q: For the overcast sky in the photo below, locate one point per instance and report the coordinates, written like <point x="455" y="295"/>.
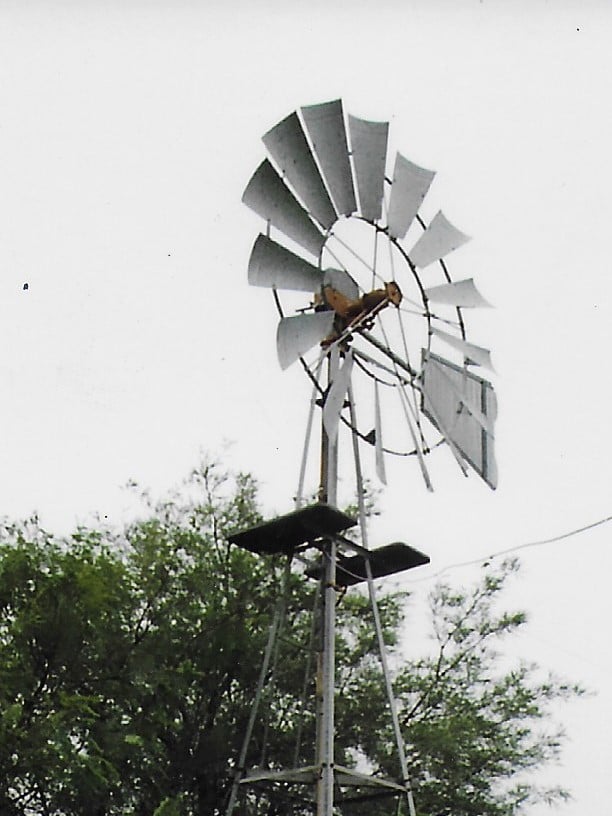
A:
<point x="127" y="134"/>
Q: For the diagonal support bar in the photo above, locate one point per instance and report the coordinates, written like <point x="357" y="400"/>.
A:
<point x="279" y="614"/>
<point x="377" y="624"/>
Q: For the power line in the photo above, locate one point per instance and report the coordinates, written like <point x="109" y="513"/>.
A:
<point x="487" y="558"/>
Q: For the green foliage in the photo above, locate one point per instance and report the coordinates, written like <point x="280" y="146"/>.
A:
<point x="128" y="665"/>
<point x="477" y="726"/>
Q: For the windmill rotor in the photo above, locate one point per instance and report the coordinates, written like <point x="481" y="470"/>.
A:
<point x="357" y="272"/>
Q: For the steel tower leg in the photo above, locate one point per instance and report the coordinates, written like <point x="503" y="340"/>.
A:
<point x="273" y="632"/>
<point x="240" y="769"/>
<point x="399" y="740"/>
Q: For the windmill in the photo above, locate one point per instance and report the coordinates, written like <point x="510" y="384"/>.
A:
<point x="369" y="310"/>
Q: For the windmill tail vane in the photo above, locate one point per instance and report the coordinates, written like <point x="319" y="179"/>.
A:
<point x="360" y="280"/>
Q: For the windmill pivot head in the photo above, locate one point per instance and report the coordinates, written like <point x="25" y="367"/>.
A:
<point x="356" y="312"/>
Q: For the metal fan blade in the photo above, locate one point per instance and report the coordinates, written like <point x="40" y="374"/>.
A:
<point x="342" y="282"/>
<point x="296" y="335"/>
<point x="369" y="151"/>
<point x="378" y="440"/>
<point x="447" y="390"/>
<point x="270" y="198"/>
<point x="438" y="240"/>
<point x="460" y="293"/>
<point x="287" y="145"/>
<point x="325" y="125"/>
<point x="274" y="266"/>
<point x="475" y="354"/>
<point x="409" y="188"/>
<point x="335" y="398"/>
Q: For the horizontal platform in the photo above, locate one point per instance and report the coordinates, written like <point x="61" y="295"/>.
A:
<point x="285" y="533"/>
<point x="345" y="777"/>
<point x="300" y="776"/>
<point x="385" y="560"/>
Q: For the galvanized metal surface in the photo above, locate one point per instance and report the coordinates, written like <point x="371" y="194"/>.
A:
<point x="395" y="358"/>
<point x="299" y="496"/>
<point x="325" y="757"/>
<point x="459" y="293"/>
<point x="471" y="400"/>
<point x="297" y="334"/>
<point x="399" y="740"/>
<point x="325" y="125"/>
<point x="286" y="143"/>
<point x="316" y="164"/>
<point x="269" y="197"/>
<point x="408" y="189"/>
<point x="350" y="778"/>
<point x="342" y="282"/>
<point x="240" y="769"/>
<point x="476" y="354"/>
<point x="378" y="437"/>
<point x="369" y="152"/>
<point x="303" y="776"/>
<point x="273" y="266"/>
<point x="440" y="238"/>
<point x="450" y="397"/>
<point x="335" y="398"/>
<point x="406" y="408"/>
<point x="326" y="661"/>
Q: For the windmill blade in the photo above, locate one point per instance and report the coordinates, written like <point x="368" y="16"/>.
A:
<point x="447" y="391"/>
<point x="296" y="335"/>
<point x="340" y="280"/>
<point x="440" y="238"/>
<point x="273" y="266"/>
<point x="378" y="440"/>
<point x="335" y="398"/>
<point x="409" y="188"/>
<point x="286" y="143"/>
<point x="460" y="293"/>
<point x="474" y="354"/>
<point x="270" y="198"/>
<point x="369" y="151"/>
<point x="325" y="125"/>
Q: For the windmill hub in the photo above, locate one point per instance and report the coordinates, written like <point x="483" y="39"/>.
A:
<point x="357" y="286"/>
<point x="355" y="314"/>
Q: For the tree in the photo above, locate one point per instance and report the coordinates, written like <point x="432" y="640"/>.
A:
<point x="477" y="725"/>
<point x="128" y="662"/>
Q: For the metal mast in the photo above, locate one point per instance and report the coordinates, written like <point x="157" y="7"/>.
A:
<point x="327" y="636"/>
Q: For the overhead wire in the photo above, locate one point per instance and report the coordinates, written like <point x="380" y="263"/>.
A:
<point x="486" y="559"/>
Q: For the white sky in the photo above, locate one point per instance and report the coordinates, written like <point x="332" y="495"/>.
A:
<point x="127" y="135"/>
